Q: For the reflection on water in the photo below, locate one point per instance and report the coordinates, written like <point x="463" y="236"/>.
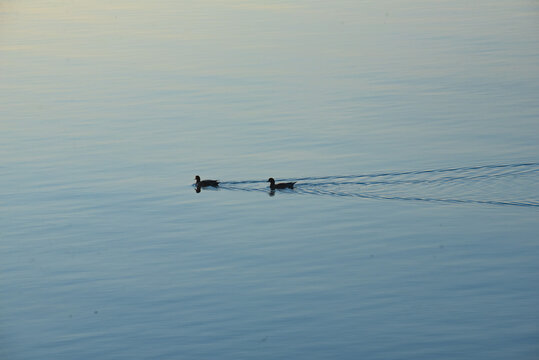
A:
<point x="109" y="108"/>
<point x="517" y="184"/>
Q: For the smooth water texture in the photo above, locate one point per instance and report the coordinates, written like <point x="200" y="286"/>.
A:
<point x="410" y="127"/>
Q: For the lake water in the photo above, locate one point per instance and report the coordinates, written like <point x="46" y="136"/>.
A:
<point x="411" y="128"/>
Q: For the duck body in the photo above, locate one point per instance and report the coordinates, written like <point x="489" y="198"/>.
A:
<point x="206" y="183"/>
<point x="273" y="185"/>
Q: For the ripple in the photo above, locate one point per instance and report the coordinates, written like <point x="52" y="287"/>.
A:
<point x="499" y="184"/>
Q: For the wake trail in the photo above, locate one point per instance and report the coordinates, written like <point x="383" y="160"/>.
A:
<point x="497" y="184"/>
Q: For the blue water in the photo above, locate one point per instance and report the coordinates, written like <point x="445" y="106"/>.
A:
<point x="411" y="129"/>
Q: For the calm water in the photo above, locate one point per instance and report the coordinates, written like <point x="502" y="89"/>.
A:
<point x="411" y="128"/>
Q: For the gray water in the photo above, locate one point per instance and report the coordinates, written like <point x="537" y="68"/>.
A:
<point x="411" y="129"/>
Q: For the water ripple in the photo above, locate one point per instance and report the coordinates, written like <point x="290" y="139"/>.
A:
<point x="501" y="184"/>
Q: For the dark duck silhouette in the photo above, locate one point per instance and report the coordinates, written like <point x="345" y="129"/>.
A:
<point x="205" y="183"/>
<point x="273" y="185"/>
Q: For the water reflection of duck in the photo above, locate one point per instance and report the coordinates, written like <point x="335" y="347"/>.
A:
<point x="206" y="183"/>
<point x="273" y="185"/>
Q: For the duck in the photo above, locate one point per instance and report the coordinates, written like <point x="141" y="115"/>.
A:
<point x="206" y="183"/>
<point x="287" y="185"/>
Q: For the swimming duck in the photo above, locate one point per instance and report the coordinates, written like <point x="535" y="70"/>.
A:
<point x="205" y="183"/>
<point x="273" y="185"/>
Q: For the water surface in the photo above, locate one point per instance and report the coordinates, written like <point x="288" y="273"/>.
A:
<point x="411" y="129"/>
